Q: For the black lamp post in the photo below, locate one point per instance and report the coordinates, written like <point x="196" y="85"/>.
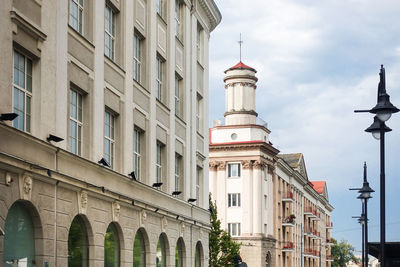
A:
<point x="383" y="110"/>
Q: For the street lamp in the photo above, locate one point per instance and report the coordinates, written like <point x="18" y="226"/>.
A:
<point x="365" y="194"/>
<point x="383" y="110"/>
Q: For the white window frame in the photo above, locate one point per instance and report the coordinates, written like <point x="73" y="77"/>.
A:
<point x="137" y="135"/>
<point x="78" y="4"/>
<point x="230" y="170"/>
<point x="199" y="46"/>
<point x="178" y="18"/>
<point x="137" y="57"/>
<point x="199" y="110"/>
<point x="110" y="52"/>
<point x="159" y="152"/>
<point x="178" y="91"/>
<point x="26" y="112"/>
<point x="109" y="139"/>
<point x="198" y="184"/>
<point x="265" y="201"/>
<point x="159" y="7"/>
<point x="77" y="98"/>
<point x="234" y="200"/>
<point x="178" y="171"/>
<point x="234" y="229"/>
<point x="159" y="78"/>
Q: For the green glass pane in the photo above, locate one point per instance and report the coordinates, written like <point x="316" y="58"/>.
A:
<point x="111" y="247"/>
<point x="19" y="243"/>
<point x="138" y="251"/>
<point x="77" y="244"/>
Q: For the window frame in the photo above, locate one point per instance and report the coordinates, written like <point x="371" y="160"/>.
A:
<point x="111" y="138"/>
<point x="178" y="19"/>
<point x="137" y="57"/>
<point x="137" y="154"/>
<point x="159" y="162"/>
<point x="159" y="78"/>
<point x="27" y="93"/>
<point x="234" y="200"/>
<point x="160" y="8"/>
<point x="199" y="112"/>
<point x="232" y="227"/>
<point x="79" y="123"/>
<point x="80" y="19"/>
<point x="199" y="174"/>
<point x="178" y="171"/>
<point x="112" y="21"/>
<point x="230" y="165"/>
<point x="178" y="96"/>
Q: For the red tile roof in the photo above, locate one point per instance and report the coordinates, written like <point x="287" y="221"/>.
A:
<point x="319" y="186"/>
<point x="241" y="66"/>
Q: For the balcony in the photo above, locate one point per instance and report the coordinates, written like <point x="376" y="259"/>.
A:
<point x="317" y="216"/>
<point x="287" y="247"/>
<point x="288" y="197"/>
<point x="316" y="235"/>
<point x="329" y="241"/>
<point x="329" y="225"/>
<point x="308" y="252"/>
<point x="316" y="253"/>
<point x="329" y="257"/>
<point x="308" y="211"/>
<point x="308" y="231"/>
<point x="289" y="221"/>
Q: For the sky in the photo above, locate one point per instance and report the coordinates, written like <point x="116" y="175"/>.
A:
<point x="318" y="61"/>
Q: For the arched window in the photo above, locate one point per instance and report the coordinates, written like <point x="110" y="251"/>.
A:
<point x="139" y="250"/>
<point x="179" y="253"/>
<point x="161" y="252"/>
<point x="198" y="255"/>
<point x="19" y="242"/>
<point x="111" y="247"/>
<point x="78" y="249"/>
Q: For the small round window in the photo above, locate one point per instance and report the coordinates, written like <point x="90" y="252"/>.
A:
<point x="234" y="136"/>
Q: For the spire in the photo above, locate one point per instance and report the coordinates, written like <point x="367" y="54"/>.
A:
<point x="240" y="47"/>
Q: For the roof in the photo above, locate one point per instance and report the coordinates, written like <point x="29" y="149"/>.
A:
<point x="319" y="186"/>
<point x="241" y="66"/>
<point x="292" y="159"/>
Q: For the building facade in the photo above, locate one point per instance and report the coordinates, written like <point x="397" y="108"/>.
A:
<point x="264" y="197"/>
<point x="106" y="162"/>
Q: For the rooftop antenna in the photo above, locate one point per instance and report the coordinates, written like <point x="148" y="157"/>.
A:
<point x="240" y="46"/>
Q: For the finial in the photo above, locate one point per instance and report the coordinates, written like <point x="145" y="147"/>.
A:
<point x="365" y="171"/>
<point x="240" y="47"/>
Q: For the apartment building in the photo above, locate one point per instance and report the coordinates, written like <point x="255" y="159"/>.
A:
<point x="265" y="199"/>
<point x="106" y="162"/>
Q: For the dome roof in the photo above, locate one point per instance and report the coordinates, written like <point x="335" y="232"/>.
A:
<point x="241" y="66"/>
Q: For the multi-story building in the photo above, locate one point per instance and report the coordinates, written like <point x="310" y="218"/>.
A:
<point x="264" y="198"/>
<point x="103" y="89"/>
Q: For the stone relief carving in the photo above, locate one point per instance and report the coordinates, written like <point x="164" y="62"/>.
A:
<point x="221" y="165"/>
<point x="82" y="201"/>
<point x="258" y="164"/>
<point x="143" y="217"/>
<point x="246" y="164"/>
<point x="213" y="165"/>
<point x="181" y="229"/>
<point x="26" y="184"/>
<point x="164" y="224"/>
<point x="116" y="209"/>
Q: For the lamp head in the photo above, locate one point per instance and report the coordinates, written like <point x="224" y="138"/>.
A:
<point x="375" y="128"/>
<point x="8" y="116"/>
<point x="54" y="138"/>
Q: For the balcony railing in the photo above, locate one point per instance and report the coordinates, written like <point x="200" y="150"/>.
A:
<point x="308" y="231"/>
<point x="287" y="246"/>
<point x="288" y="196"/>
<point x="308" y="252"/>
<point x="308" y="211"/>
<point x="329" y="225"/>
<point x="289" y="221"/>
<point x="329" y="257"/>
<point x="329" y="241"/>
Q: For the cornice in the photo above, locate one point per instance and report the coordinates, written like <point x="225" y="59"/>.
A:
<point x="267" y="148"/>
<point x="212" y="11"/>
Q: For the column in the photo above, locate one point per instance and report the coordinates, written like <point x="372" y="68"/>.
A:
<point x="221" y="193"/>
<point x="257" y="196"/>
<point x="247" y="197"/>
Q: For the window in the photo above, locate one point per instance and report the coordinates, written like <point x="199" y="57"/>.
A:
<point x="159" y="79"/>
<point x="178" y="93"/>
<point x="234" y="229"/>
<point x="76" y="15"/>
<point x="234" y="200"/>
<point x="265" y="202"/>
<point x="233" y="170"/>
<point x="265" y="173"/>
<point x="109" y="37"/>
<point x="75" y="122"/>
<point x="199" y="173"/>
<point x="161" y="256"/>
<point x="159" y="152"/>
<point x="136" y="152"/>
<point x="109" y="138"/>
<point x="139" y="250"/>
<point x="78" y="247"/>
<point x="199" y="47"/>
<point x="111" y="247"/>
<point x="199" y="113"/>
<point x="22" y="91"/>
<point x="178" y="19"/>
<point x="265" y="228"/>
<point x="137" y="57"/>
<point x="179" y="253"/>
<point x="160" y="7"/>
<point x="178" y="171"/>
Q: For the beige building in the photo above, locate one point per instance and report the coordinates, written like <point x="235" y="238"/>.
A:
<point x="264" y="199"/>
<point x="103" y="89"/>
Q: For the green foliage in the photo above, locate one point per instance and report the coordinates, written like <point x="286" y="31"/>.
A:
<point x="222" y="247"/>
<point x="342" y="253"/>
<point x="77" y="245"/>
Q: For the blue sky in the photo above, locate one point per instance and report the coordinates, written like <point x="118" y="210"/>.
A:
<point x="317" y="61"/>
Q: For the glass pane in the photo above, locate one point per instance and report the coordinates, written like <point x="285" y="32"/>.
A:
<point x="15" y="75"/>
<point x="21" y="62"/>
<point x="28" y="114"/>
<point x="78" y="249"/>
<point x="21" y="79"/>
<point x="80" y="107"/>
<point x="80" y="21"/>
<point x="160" y="255"/>
<point x="19" y="236"/>
<point x="111" y="247"/>
<point x="138" y="251"/>
<point x="15" y="59"/>
<point x="29" y="67"/>
<point x="29" y="83"/>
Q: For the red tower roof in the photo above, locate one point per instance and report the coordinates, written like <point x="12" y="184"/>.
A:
<point x="319" y="186"/>
<point x="241" y="66"/>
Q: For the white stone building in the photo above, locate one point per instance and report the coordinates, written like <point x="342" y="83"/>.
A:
<point x="263" y="197"/>
<point x="122" y="82"/>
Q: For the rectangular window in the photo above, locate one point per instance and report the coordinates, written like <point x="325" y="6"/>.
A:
<point x="76" y="15"/>
<point x="159" y="153"/>
<point x="75" y="122"/>
<point x="265" y="202"/>
<point x="136" y="152"/>
<point x="109" y="138"/>
<point x="178" y="18"/>
<point x="233" y="170"/>
<point x="22" y="91"/>
<point x="178" y="171"/>
<point x="199" y="174"/>
<point x="159" y="7"/>
<point x="159" y="79"/>
<point x="137" y="58"/>
<point x="234" y="200"/>
<point x="234" y="229"/>
<point x="109" y="36"/>
<point x="199" y="47"/>
<point x="265" y="228"/>
<point x="199" y="113"/>
<point x="178" y="92"/>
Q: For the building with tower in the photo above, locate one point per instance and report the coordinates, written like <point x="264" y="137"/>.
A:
<point x="264" y="199"/>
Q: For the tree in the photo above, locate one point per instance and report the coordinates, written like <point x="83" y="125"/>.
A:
<point x="222" y="247"/>
<point x="342" y="253"/>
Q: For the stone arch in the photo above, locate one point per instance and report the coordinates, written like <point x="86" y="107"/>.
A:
<point x="113" y="245"/>
<point x="26" y="241"/>
<point x="268" y="259"/>
<point x="199" y="255"/>
<point x="141" y="239"/>
<point x="180" y="253"/>
<point x="162" y="252"/>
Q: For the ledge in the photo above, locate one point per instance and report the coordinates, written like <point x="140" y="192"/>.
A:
<point x="28" y="26"/>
